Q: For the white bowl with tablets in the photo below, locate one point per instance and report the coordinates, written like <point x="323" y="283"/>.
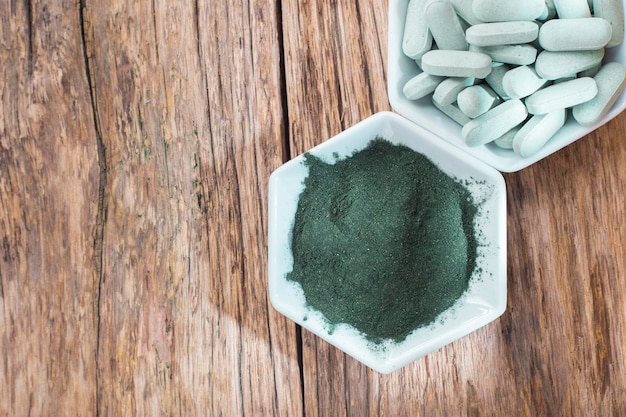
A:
<point x="506" y="81"/>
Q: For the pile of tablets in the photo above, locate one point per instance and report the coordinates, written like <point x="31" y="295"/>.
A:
<point x="510" y="71"/>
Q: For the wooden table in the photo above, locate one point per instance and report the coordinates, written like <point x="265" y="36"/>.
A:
<point x="136" y="143"/>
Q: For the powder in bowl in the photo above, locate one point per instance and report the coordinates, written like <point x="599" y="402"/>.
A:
<point x="382" y="240"/>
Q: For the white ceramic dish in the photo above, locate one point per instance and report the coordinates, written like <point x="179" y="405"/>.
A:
<point x="401" y="69"/>
<point x="484" y="301"/>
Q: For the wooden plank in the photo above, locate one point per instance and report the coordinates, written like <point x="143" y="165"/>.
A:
<point x="558" y="350"/>
<point x="569" y="233"/>
<point x="48" y="211"/>
<point x="188" y="99"/>
<point x="335" y="83"/>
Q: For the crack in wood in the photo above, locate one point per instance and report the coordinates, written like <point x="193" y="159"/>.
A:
<point x="30" y="28"/>
<point x="102" y="204"/>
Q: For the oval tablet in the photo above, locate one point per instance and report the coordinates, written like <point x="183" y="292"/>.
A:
<point x="521" y="82"/>
<point x="448" y="89"/>
<point x="572" y="9"/>
<point x="421" y="85"/>
<point x="494" y="79"/>
<point x="611" y="80"/>
<point x="453" y="112"/>
<point x="502" y="33"/>
<point x="574" y="34"/>
<point x="562" y="95"/>
<point x="495" y="123"/>
<point x="508" y="10"/>
<point x="537" y="131"/>
<point x="509" y="54"/>
<point x="477" y="99"/>
<point x="464" y="9"/>
<point x="613" y="12"/>
<point x="555" y="65"/>
<point x="549" y="12"/>
<point x="445" y="26"/>
<point x="416" y="40"/>
<point x="506" y="141"/>
<point x="456" y="63"/>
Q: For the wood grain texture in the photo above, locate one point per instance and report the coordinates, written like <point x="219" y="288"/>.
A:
<point x="568" y="277"/>
<point x="136" y="142"/>
<point x="188" y="99"/>
<point x="48" y="207"/>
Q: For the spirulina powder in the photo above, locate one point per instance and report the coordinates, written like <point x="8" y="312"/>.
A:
<point x="382" y="240"/>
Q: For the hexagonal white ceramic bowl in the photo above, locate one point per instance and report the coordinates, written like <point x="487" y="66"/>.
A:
<point x="484" y="301"/>
<point x="401" y="69"/>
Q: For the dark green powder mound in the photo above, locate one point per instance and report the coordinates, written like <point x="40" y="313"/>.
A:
<point x="382" y="240"/>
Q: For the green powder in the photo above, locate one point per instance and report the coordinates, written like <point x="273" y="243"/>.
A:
<point x="382" y="240"/>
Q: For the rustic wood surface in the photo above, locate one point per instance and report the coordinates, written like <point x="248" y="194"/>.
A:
<point x="136" y="142"/>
